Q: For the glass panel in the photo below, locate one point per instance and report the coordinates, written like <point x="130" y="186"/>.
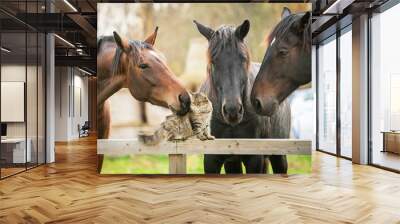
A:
<point x="385" y="84"/>
<point x="313" y="86"/>
<point x="41" y="99"/>
<point x="22" y="62"/>
<point x="31" y="98"/>
<point x="327" y="96"/>
<point x="13" y="86"/>
<point x="346" y="94"/>
<point x="32" y="86"/>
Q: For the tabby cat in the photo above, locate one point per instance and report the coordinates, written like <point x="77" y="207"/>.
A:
<point x="179" y="128"/>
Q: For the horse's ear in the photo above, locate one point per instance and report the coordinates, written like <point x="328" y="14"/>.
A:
<point x="121" y="42"/>
<point x="152" y="38"/>
<point x="207" y="32"/>
<point x="242" y="30"/>
<point x="305" y="20"/>
<point x="285" y="12"/>
<point x="303" y="23"/>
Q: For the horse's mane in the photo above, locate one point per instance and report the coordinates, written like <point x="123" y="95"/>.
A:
<point x="284" y="26"/>
<point x="136" y="46"/>
<point x="224" y="37"/>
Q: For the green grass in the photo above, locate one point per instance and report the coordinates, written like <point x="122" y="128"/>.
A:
<point x="158" y="164"/>
<point x="299" y="164"/>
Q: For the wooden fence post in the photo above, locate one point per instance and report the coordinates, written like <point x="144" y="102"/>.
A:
<point x="100" y="158"/>
<point x="177" y="164"/>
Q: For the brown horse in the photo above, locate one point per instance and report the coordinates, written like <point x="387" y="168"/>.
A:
<point x="286" y="64"/>
<point x="138" y="66"/>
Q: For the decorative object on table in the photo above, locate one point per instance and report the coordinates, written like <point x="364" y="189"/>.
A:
<point x="391" y="141"/>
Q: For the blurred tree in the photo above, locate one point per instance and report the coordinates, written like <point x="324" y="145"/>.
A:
<point x="147" y="12"/>
<point x="177" y="29"/>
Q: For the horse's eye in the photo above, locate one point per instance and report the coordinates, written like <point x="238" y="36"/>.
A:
<point x="283" y="52"/>
<point x="243" y="59"/>
<point x="143" y="66"/>
<point x="212" y="68"/>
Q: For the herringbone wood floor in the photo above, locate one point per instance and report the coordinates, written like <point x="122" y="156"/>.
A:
<point x="70" y="191"/>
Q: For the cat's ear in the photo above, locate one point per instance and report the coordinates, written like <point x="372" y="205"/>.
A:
<point x="285" y="12"/>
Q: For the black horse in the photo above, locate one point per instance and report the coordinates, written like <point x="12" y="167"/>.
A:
<point x="228" y="85"/>
<point x="286" y="64"/>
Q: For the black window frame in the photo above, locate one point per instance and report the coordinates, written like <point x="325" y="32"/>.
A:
<point x="333" y="37"/>
<point x="340" y="31"/>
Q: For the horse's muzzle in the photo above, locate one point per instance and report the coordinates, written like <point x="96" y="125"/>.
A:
<point x="265" y="108"/>
<point x="233" y="113"/>
<point x="184" y="100"/>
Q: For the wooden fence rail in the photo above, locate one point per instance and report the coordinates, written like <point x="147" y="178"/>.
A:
<point x="177" y="151"/>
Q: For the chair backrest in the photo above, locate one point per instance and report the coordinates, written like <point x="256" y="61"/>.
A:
<point x="86" y="125"/>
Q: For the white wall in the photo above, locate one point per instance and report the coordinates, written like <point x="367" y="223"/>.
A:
<point x="14" y="73"/>
<point x="70" y="83"/>
<point x="61" y="103"/>
<point x="80" y="84"/>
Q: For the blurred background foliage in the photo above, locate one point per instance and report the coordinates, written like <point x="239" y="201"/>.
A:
<point x="262" y="18"/>
<point x="176" y="28"/>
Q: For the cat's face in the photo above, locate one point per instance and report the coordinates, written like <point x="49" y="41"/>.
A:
<point x="201" y="100"/>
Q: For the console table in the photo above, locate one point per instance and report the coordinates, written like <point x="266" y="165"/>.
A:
<point x="391" y="141"/>
<point x="13" y="150"/>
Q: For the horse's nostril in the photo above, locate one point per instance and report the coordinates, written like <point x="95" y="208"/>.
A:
<point x="224" y="109"/>
<point x="184" y="99"/>
<point x="240" y="108"/>
<point x="180" y="97"/>
<point x="232" y="109"/>
<point x="257" y="104"/>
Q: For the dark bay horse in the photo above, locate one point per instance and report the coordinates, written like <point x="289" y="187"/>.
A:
<point x="138" y="66"/>
<point x="286" y="64"/>
<point x="229" y="80"/>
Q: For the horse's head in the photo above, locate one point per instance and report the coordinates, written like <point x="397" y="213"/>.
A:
<point x="148" y="76"/>
<point x="228" y="68"/>
<point x="286" y="64"/>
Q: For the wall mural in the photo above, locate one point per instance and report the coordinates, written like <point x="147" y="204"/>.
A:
<point x="204" y="88"/>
